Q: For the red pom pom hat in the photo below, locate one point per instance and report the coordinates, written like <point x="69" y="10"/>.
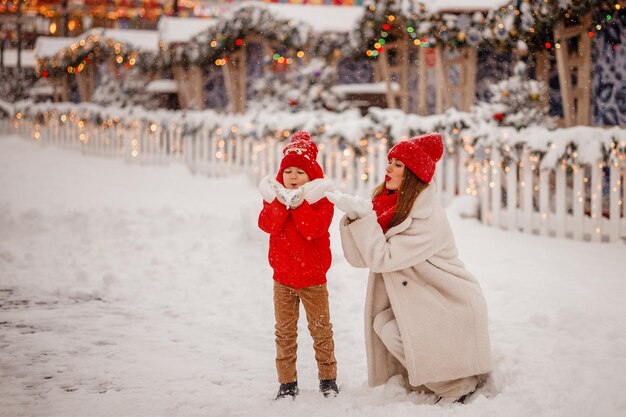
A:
<point x="301" y="153"/>
<point x="420" y="154"/>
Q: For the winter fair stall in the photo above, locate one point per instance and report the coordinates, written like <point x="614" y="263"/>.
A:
<point x="255" y="41"/>
<point x="408" y="40"/>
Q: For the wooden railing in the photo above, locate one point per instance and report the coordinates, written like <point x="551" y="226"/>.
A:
<point x="581" y="202"/>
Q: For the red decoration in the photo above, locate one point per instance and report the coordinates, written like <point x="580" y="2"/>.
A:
<point x="293" y="102"/>
<point x="239" y="42"/>
<point x="548" y="45"/>
<point x="44" y="74"/>
<point x="386" y="26"/>
<point x="498" y="116"/>
<point x="431" y="58"/>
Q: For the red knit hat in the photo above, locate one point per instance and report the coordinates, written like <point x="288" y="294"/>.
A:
<point x="301" y="153"/>
<point x="419" y="154"/>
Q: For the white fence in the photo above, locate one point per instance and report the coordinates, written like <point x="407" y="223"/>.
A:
<point x="579" y="202"/>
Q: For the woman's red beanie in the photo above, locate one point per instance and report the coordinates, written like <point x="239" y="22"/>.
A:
<point x="301" y="153"/>
<point x="420" y="154"/>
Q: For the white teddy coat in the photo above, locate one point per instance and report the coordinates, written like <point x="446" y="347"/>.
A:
<point x="439" y="306"/>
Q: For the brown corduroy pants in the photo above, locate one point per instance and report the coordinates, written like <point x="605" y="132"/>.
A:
<point x="286" y="311"/>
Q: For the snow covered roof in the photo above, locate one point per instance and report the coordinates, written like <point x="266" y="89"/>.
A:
<point x="321" y="18"/>
<point x="49" y="46"/>
<point x="181" y="29"/>
<point x="41" y="89"/>
<point x="162" y="86"/>
<point x="9" y="59"/>
<point x="364" y="88"/>
<point x="463" y="5"/>
<point x="142" y="40"/>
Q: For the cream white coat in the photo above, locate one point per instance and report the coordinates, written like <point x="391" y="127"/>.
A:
<point x="439" y="306"/>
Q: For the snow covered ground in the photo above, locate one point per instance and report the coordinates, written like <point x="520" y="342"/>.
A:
<point x="145" y="291"/>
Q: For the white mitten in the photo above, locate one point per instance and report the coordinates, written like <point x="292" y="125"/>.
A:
<point x="290" y="198"/>
<point x="353" y="206"/>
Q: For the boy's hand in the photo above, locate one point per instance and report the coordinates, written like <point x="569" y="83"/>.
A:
<point x="290" y="198"/>
<point x="353" y="206"/>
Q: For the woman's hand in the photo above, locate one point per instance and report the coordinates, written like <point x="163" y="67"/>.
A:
<point x="353" y="206"/>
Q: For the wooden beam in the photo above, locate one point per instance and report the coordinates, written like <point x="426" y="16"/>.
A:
<point x="583" y="114"/>
<point x="383" y="67"/>
<point x="565" y="84"/>
<point x="422" y="72"/>
<point x="180" y="75"/>
<point x="403" y="79"/>
<point x="471" y="69"/>
<point x="196" y="84"/>
<point x="574" y="111"/>
<point x="442" y="82"/>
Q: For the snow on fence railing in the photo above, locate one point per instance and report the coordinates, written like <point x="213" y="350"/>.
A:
<point x="566" y="183"/>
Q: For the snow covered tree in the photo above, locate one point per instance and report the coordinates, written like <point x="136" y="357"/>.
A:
<point x="516" y="101"/>
<point x="305" y="88"/>
<point x="14" y="83"/>
<point x="109" y="92"/>
<point x="130" y="90"/>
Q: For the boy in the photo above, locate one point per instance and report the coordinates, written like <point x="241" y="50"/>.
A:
<point x="297" y="217"/>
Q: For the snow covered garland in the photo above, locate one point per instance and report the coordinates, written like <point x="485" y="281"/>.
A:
<point x="462" y="131"/>
<point x="95" y="44"/>
<point x="518" y="24"/>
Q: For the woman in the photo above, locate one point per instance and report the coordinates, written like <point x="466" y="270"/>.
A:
<point x="425" y="314"/>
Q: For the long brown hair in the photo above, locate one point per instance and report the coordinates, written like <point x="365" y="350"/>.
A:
<point x="410" y="188"/>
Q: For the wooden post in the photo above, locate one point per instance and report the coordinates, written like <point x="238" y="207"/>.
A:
<point x="544" y="202"/>
<point x="442" y="82"/>
<point x="596" y="174"/>
<point x="235" y="78"/>
<point x="578" y="202"/>
<point x="495" y="184"/>
<point x="542" y="73"/>
<point x="196" y="84"/>
<point x="465" y="90"/>
<point x="383" y="70"/>
<point x="560" y="211"/>
<point x="576" y="99"/>
<point x="180" y="75"/>
<point x="86" y="82"/>
<point x="614" y="206"/>
<point x="527" y="192"/>
<point x="511" y="196"/>
<point x="470" y="72"/>
<point x="422" y="90"/>
<point x="398" y="71"/>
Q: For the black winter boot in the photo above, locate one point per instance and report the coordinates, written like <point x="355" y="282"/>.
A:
<point x="329" y="387"/>
<point x="289" y="389"/>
